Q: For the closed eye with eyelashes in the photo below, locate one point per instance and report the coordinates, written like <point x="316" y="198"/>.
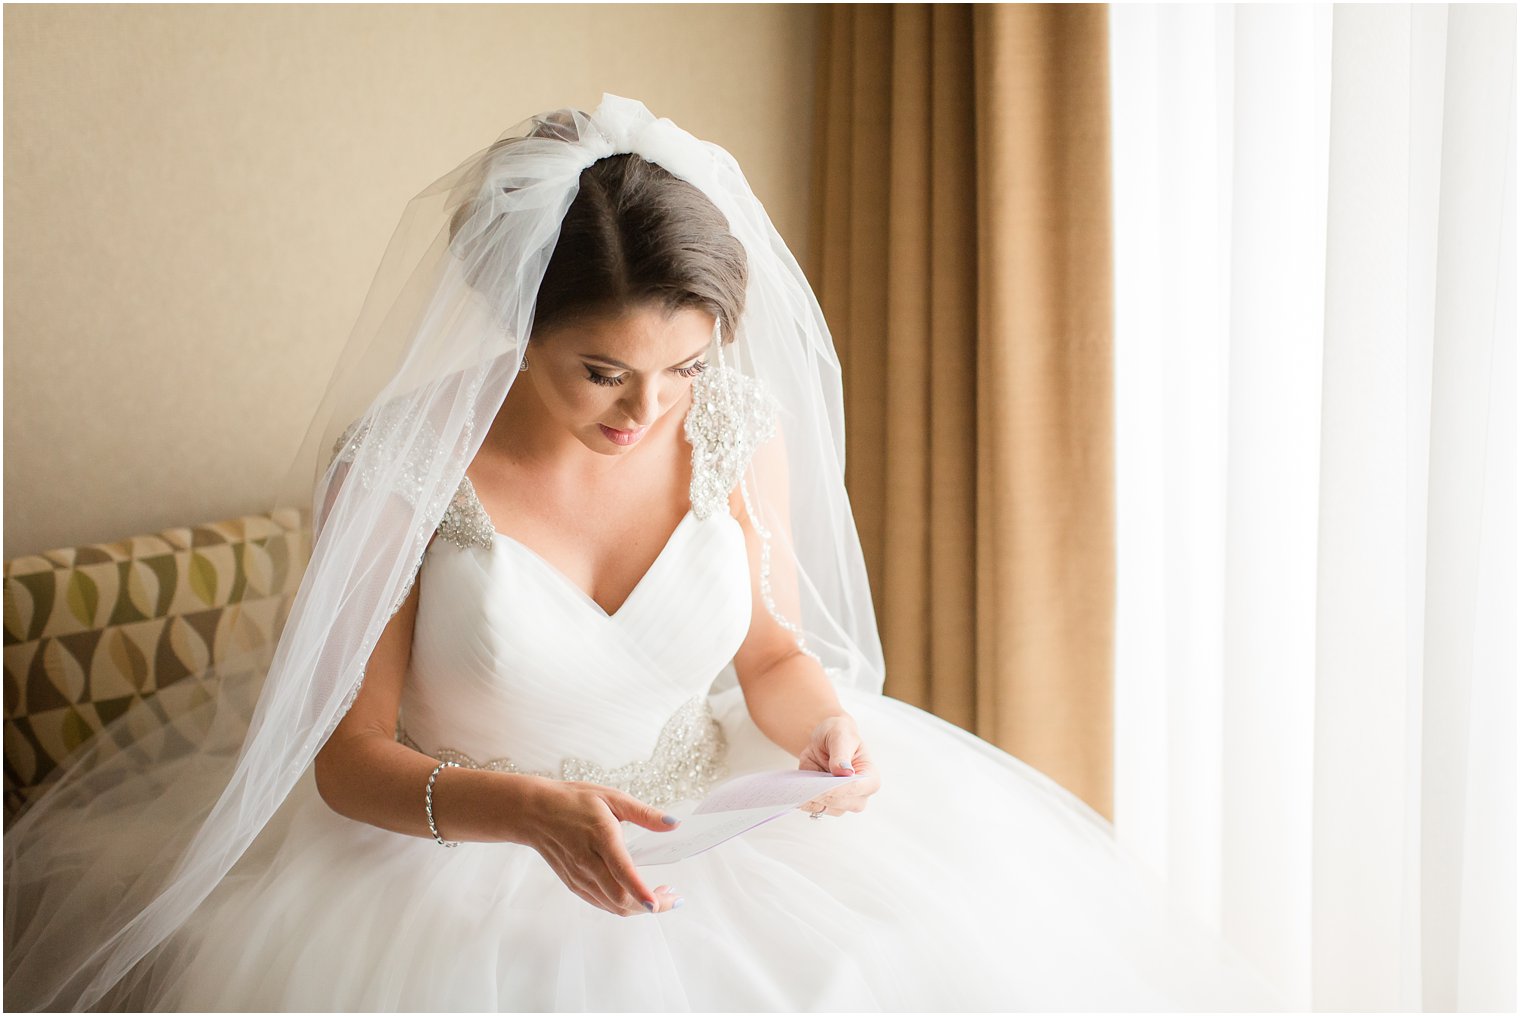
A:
<point x="610" y="379"/>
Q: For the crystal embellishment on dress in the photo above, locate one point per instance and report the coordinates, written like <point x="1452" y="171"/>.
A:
<point x="731" y="414"/>
<point x="465" y="522"/>
<point x="689" y="758"/>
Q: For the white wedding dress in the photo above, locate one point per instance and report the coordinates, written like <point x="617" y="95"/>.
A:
<point x="970" y="881"/>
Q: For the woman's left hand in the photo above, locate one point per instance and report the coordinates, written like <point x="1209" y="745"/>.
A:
<point x="835" y="747"/>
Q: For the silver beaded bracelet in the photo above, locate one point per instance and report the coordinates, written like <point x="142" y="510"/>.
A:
<point x="431" y="824"/>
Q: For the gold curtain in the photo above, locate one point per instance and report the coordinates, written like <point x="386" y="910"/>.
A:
<point x="964" y="263"/>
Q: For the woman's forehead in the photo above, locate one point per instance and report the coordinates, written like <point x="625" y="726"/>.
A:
<point x="647" y="333"/>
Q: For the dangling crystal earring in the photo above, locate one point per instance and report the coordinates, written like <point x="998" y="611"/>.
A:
<point x="524" y="365"/>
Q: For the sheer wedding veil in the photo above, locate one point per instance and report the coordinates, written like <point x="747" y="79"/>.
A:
<point x="153" y="813"/>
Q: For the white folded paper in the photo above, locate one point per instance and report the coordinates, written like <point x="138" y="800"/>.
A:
<point x="734" y="807"/>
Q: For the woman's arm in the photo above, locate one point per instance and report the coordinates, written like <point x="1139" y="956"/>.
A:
<point x="365" y="774"/>
<point x="788" y="695"/>
<point x="786" y="691"/>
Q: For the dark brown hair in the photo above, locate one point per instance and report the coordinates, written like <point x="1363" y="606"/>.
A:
<point x="637" y="234"/>
<point x="634" y="234"/>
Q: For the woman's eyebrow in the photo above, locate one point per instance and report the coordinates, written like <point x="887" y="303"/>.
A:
<point x="623" y="366"/>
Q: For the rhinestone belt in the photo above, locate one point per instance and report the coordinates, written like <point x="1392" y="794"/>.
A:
<point x="688" y="759"/>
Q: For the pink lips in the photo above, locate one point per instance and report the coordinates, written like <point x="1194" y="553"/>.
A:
<point x="622" y="437"/>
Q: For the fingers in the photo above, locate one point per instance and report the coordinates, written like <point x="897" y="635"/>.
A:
<point x="623" y="882"/>
<point x="589" y="855"/>
<point x="836" y="748"/>
<point x="624" y="904"/>
<point x="627" y="887"/>
<point x="850" y="798"/>
<point x="840" y="748"/>
<point x="630" y="809"/>
<point x="594" y="899"/>
<point x="594" y="863"/>
<point x="623" y="897"/>
<point x="668" y="898"/>
<point x="603" y="891"/>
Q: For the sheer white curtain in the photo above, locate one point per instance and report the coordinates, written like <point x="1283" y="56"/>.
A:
<point x="1315" y="259"/>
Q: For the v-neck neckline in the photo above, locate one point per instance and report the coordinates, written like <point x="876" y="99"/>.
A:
<point x="564" y="579"/>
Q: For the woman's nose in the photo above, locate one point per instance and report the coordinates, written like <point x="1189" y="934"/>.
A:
<point x="643" y="404"/>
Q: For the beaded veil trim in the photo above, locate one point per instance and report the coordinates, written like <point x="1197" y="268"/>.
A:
<point x="688" y="759"/>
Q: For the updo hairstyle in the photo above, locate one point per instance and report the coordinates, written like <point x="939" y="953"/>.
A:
<point x="636" y="234"/>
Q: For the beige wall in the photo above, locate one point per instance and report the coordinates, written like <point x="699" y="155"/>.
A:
<point x="197" y="196"/>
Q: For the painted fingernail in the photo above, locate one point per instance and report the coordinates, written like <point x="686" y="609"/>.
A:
<point x="669" y="819"/>
<point x="649" y="905"/>
<point x="678" y="902"/>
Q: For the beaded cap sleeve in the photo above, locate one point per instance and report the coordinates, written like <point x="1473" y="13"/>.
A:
<point x="390" y="426"/>
<point x="731" y="415"/>
<point x="465" y="523"/>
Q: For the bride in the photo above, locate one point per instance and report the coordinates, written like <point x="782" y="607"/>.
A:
<point x="582" y="552"/>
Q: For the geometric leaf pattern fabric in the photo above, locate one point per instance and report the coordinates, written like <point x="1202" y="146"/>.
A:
<point x="93" y="632"/>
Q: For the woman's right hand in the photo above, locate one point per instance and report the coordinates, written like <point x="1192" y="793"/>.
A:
<point x="577" y="832"/>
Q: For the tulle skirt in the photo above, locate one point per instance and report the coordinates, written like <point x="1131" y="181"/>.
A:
<point x="970" y="882"/>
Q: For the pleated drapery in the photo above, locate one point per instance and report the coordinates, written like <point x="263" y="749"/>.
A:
<point x="1316" y="403"/>
<point x="965" y="265"/>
